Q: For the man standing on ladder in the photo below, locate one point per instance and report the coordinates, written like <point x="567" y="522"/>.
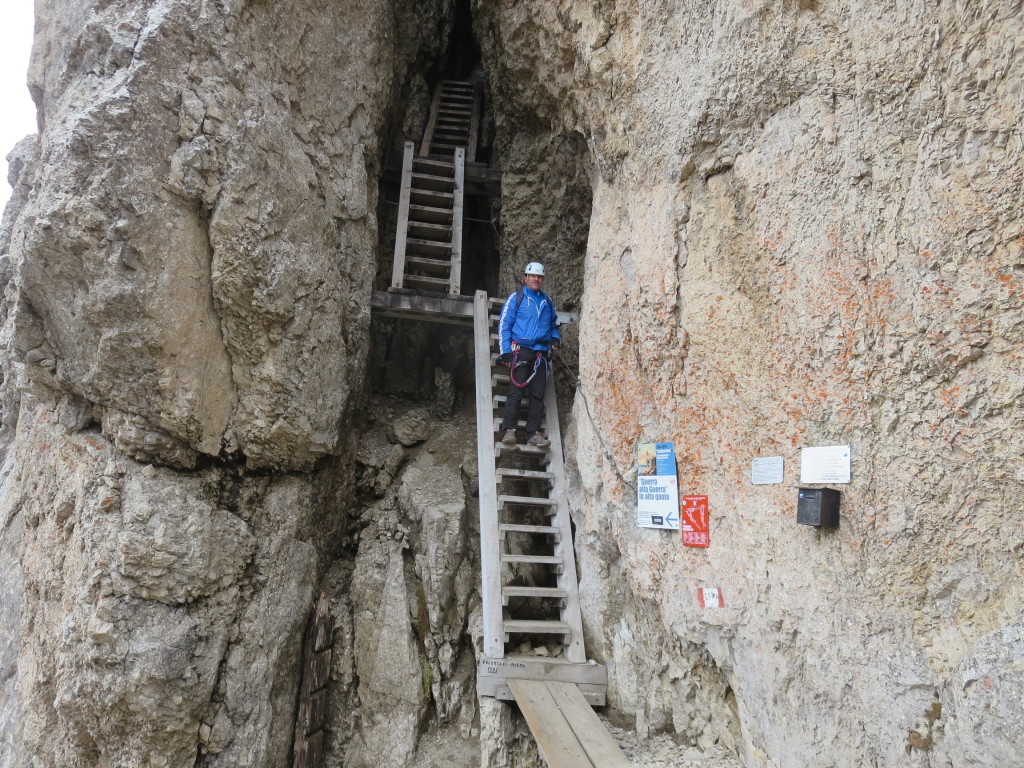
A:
<point x="527" y="330"/>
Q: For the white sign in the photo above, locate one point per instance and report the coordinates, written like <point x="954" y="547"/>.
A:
<point x="657" y="486"/>
<point x="767" y="470"/>
<point x="824" y="465"/>
<point x="710" y="597"/>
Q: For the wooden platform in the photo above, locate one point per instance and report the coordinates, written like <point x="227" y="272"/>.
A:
<point x="416" y="306"/>
<point x="494" y="676"/>
<point x="568" y="733"/>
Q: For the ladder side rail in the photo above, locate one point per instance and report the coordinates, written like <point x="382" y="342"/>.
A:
<point x="428" y="132"/>
<point x="455" y="274"/>
<point x="490" y="554"/>
<point x="474" y="122"/>
<point x="574" y="650"/>
<point x="402" y="231"/>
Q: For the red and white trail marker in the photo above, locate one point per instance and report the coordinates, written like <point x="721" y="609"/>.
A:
<point x="710" y="597"/>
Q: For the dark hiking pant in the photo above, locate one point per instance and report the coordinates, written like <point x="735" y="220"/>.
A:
<point x="534" y="391"/>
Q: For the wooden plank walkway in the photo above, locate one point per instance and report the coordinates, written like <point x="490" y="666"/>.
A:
<point x="568" y="733"/>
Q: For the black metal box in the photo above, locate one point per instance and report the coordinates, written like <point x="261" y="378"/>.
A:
<point x="818" y="506"/>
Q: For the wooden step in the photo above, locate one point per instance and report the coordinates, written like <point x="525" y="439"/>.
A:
<point x="546" y="593"/>
<point x="432" y="265"/>
<point x="526" y="559"/>
<point x="522" y="474"/>
<point x="526" y="501"/>
<point x="521" y="448"/>
<point x="431" y="197"/>
<point x="540" y="530"/>
<point x="535" y="627"/>
<point x="443" y="146"/>
<point x="453" y="136"/>
<point x="430" y="213"/>
<point x="435" y="167"/>
<point x="427" y="283"/>
<point x="428" y="231"/>
<point x="431" y="182"/>
<point x="428" y="247"/>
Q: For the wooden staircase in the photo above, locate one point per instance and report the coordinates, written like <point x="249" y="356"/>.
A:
<point x="428" y="239"/>
<point x="454" y="119"/>
<point x="528" y="565"/>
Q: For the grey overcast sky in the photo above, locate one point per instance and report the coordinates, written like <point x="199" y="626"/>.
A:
<point x="17" y="113"/>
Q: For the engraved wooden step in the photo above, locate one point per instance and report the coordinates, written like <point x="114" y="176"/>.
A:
<point x="430" y="213"/>
<point x="535" y="627"/>
<point x="526" y="501"/>
<point x="432" y="182"/>
<point x="431" y="265"/>
<point x="539" y="530"/>
<point x="546" y="593"/>
<point x="527" y="559"/>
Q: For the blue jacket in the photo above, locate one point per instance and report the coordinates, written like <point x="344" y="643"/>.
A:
<point x="534" y="324"/>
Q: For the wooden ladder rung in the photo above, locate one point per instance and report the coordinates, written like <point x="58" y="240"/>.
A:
<point x="523" y="474"/>
<point x="547" y="593"/>
<point x="539" y="530"/>
<point x="429" y="282"/>
<point x="526" y="501"/>
<point x="532" y="559"/>
<point x="535" y="627"/>
<point x="437" y="265"/>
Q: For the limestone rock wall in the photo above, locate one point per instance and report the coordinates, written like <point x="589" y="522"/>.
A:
<point x="186" y="266"/>
<point x="806" y="230"/>
<point x="197" y="254"/>
<point x="786" y="223"/>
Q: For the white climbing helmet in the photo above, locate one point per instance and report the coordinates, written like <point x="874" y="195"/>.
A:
<point x="534" y="268"/>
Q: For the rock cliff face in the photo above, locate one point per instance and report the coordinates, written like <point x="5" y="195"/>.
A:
<point x="785" y="224"/>
<point x="806" y="230"/>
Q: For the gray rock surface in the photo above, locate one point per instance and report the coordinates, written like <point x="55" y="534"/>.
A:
<point x="784" y="225"/>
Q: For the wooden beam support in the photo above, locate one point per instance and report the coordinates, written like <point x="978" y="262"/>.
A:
<point x="455" y="276"/>
<point x="490" y="556"/>
<point x="401" y="232"/>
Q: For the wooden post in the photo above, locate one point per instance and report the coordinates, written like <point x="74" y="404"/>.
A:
<point x="428" y="133"/>
<point x="455" y="274"/>
<point x="490" y="555"/>
<point x="398" y="268"/>
<point x="574" y="649"/>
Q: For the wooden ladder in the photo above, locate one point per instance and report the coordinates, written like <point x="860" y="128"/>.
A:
<point x="428" y="241"/>
<point x="527" y="560"/>
<point x="454" y="119"/>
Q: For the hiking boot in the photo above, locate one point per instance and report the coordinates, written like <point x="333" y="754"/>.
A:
<point x="538" y="441"/>
<point x="510" y="437"/>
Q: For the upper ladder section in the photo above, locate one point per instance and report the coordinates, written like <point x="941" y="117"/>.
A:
<point x="428" y="240"/>
<point x="454" y="119"/>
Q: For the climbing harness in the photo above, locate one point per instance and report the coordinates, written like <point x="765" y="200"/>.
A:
<point x="537" y="361"/>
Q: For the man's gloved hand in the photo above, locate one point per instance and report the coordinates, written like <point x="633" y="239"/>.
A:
<point x="555" y="345"/>
<point x="505" y="358"/>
